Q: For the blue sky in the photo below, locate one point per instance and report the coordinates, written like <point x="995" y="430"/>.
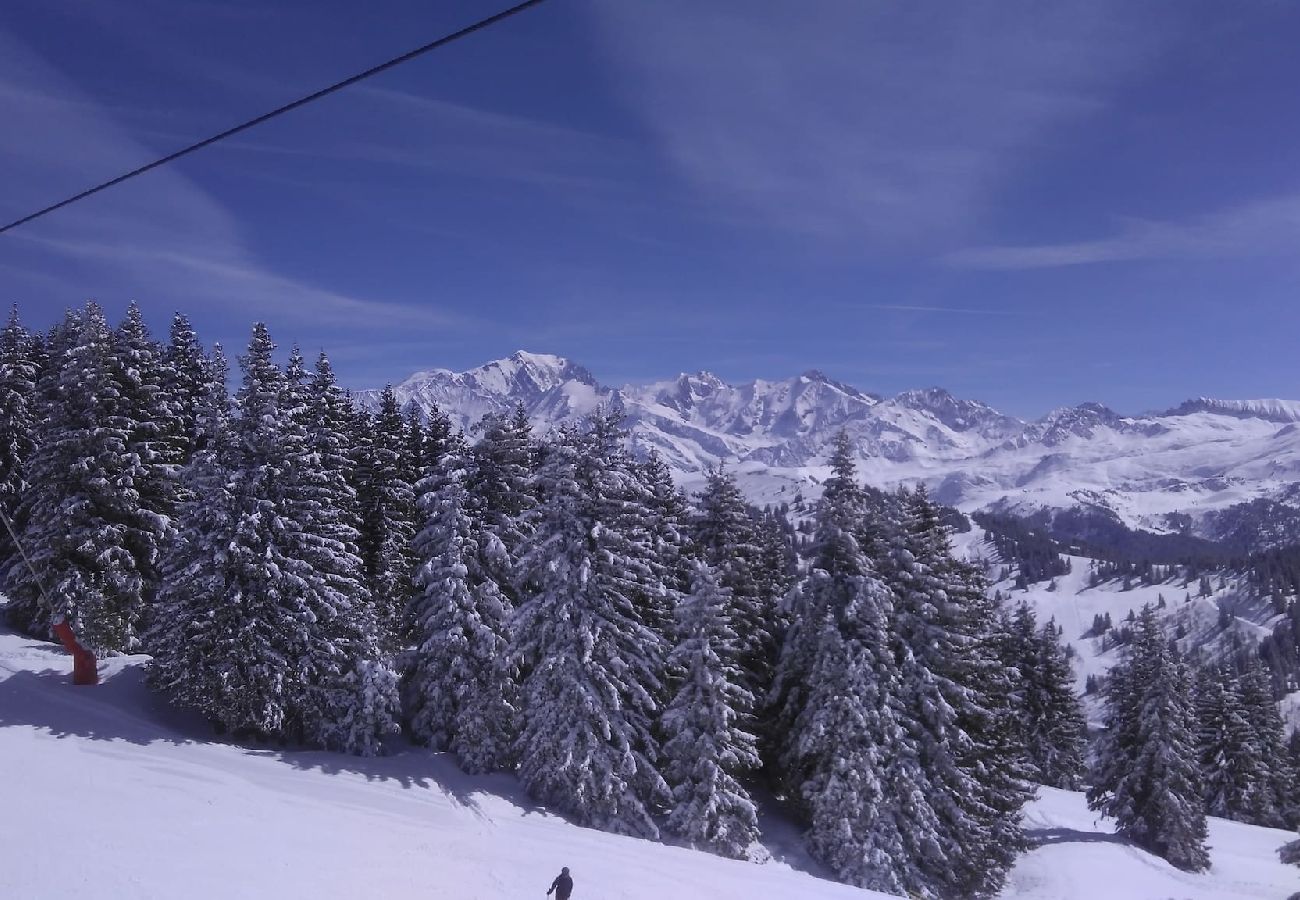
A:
<point x="1030" y="204"/>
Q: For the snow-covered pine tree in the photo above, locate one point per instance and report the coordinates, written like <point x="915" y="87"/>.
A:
<point x="725" y="534"/>
<point x="1232" y="770"/>
<point x="1059" y="739"/>
<point x="847" y="757"/>
<point x="461" y="689"/>
<point x="82" y="521"/>
<point x="440" y="437"/>
<point x="778" y="563"/>
<point x="18" y="414"/>
<point x="1146" y="774"/>
<point x="416" y="444"/>
<point x="27" y="609"/>
<point x="354" y="685"/>
<point x="668" y="514"/>
<point x="706" y="748"/>
<point x="835" y="552"/>
<point x="236" y="627"/>
<point x="265" y="625"/>
<point x="153" y="431"/>
<point x="1018" y="646"/>
<point x="960" y="707"/>
<point x="1293" y="771"/>
<point x="1048" y="714"/>
<point x="638" y="507"/>
<point x="188" y="370"/>
<point x="387" y="498"/>
<point x="197" y="624"/>
<point x="593" y="667"/>
<point x="499" y="477"/>
<point x="1269" y="805"/>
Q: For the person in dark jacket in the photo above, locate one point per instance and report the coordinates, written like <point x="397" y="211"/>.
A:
<point x="562" y="886"/>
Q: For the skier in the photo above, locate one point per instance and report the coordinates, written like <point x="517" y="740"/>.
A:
<point x="562" y="885"/>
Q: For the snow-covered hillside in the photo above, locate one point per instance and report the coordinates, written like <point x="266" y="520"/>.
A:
<point x="111" y="794"/>
<point x="1210" y="627"/>
<point x="1072" y="604"/>
<point x="1199" y="458"/>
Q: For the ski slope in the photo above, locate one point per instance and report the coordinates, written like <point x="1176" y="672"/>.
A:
<point x="108" y="793"/>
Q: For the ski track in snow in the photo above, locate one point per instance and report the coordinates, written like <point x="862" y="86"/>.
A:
<point x="110" y="793"/>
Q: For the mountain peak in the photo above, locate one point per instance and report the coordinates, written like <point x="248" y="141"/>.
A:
<point x="529" y="371"/>
<point x="958" y="414"/>
<point x="540" y="360"/>
<point x="1272" y="410"/>
<point x="774" y="431"/>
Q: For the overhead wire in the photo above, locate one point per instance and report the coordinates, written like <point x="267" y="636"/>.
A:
<point x="281" y="110"/>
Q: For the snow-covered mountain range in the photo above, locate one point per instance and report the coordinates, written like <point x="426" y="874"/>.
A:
<point x="1201" y="465"/>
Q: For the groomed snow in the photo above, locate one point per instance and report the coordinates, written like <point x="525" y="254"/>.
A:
<point x="108" y="793"/>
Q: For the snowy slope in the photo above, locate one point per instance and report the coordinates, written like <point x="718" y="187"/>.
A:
<point x="119" y="797"/>
<point x="1080" y="858"/>
<point x="1072" y="601"/>
<point x="1199" y="458"/>
<point x="110" y="794"/>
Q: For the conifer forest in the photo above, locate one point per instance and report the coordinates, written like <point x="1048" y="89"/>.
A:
<point x="306" y="570"/>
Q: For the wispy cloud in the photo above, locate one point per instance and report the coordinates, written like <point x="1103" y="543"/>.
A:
<point x="957" y="310"/>
<point x="877" y="124"/>
<point x="1256" y="229"/>
<point x="161" y="237"/>
<point x="395" y="128"/>
<point x="236" y="283"/>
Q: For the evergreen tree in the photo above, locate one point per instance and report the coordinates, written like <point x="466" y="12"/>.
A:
<point x="960" y="709"/>
<point x="189" y="372"/>
<point x="1059" y="736"/>
<point x="706" y="749"/>
<point x="18" y="414"/>
<point x="83" y="525"/>
<point x="1048" y="712"/>
<point x="1146" y="774"/>
<point x="153" y="435"/>
<point x="359" y="698"/>
<point x="592" y="665"/>
<point x="268" y="627"/>
<point x="725" y="534"/>
<point x="1231" y="766"/>
<point x="387" y="498"/>
<point x="417" y="450"/>
<point x="847" y="755"/>
<point x="500" y="479"/>
<point x="439" y="437"/>
<point x="199" y="608"/>
<point x="1292" y="809"/>
<point x="462" y="691"/>
<point x="667" y="521"/>
<point x="778" y="563"/>
<point x="1269" y="804"/>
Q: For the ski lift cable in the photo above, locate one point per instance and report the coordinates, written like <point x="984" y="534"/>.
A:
<point x="40" y="585"/>
<point x="85" y="667"/>
<point x="301" y="101"/>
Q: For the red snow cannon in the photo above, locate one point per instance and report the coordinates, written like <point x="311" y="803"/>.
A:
<point x="84" y="670"/>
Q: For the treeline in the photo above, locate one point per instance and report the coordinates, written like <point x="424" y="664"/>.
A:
<point x="1025" y="545"/>
<point x="305" y="571"/>
<point x="1037" y="544"/>
<point x="1034" y="548"/>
